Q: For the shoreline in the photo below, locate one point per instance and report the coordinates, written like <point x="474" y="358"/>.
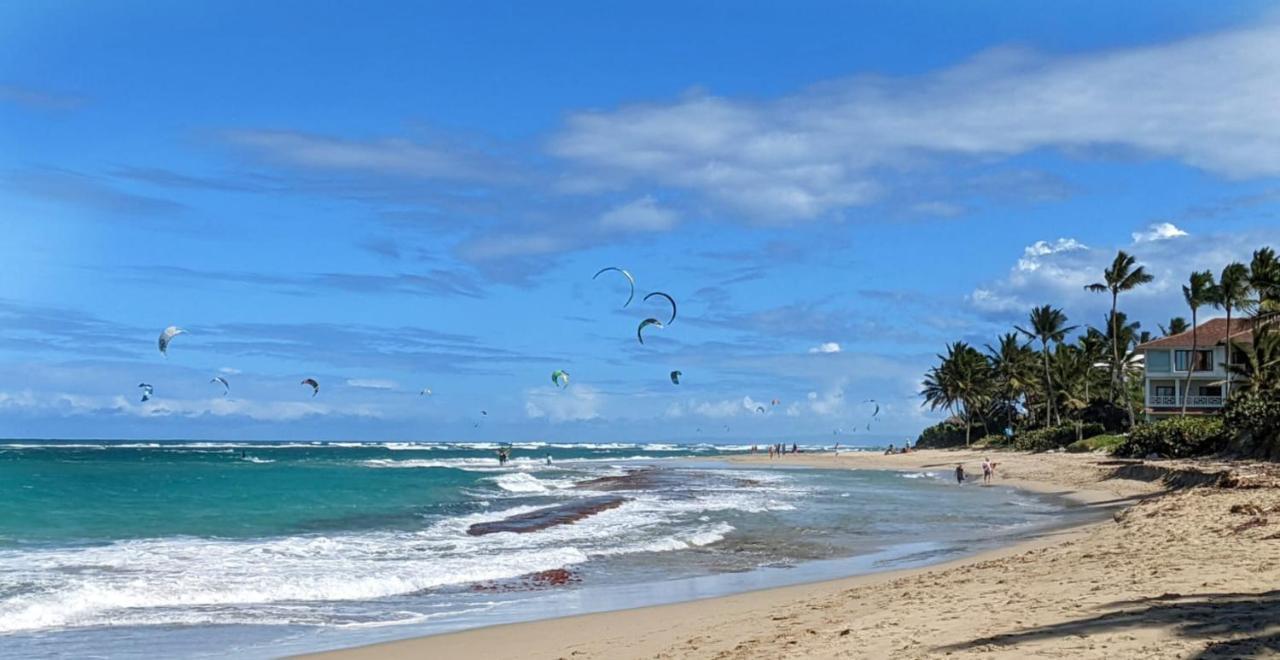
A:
<point x="679" y="629"/>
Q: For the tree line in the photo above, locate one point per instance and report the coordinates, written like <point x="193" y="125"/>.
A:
<point x="1034" y="377"/>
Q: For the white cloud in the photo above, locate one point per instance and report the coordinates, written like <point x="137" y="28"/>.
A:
<point x="642" y="214"/>
<point x="372" y="383"/>
<point x="1031" y="254"/>
<point x="393" y="156"/>
<point x="826" y="347"/>
<point x="1207" y="101"/>
<point x="1159" y="231"/>
<point x="65" y="404"/>
<point x="229" y="371"/>
<point x="572" y="404"/>
<point x="1056" y="273"/>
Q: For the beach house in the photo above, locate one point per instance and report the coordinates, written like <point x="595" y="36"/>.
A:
<point x="1168" y="360"/>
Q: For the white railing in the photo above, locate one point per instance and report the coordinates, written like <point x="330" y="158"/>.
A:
<point x="1193" y="401"/>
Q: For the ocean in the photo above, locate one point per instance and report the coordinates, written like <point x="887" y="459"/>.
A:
<point x="208" y="549"/>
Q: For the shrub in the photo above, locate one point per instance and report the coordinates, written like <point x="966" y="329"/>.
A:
<point x="1097" y="442"/>
<point x="1100" y="411"/>
<point x="1177" y="437"/>
<point x="1054" y="437"/>
<point x="1253" y="422"/>
<point x="945" y="434"/>
<point x="994" y="441"/>
<point x="1253" y="415"/>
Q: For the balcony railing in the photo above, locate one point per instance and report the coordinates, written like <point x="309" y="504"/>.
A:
<point x="1193" y="401"/>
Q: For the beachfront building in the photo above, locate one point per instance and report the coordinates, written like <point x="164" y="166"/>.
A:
<point x="1167" y="361"/>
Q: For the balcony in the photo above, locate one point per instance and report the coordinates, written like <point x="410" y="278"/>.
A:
<point x="1193" y="401"/>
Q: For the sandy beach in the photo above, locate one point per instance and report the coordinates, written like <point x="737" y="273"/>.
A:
<point x="1182" y="568"/>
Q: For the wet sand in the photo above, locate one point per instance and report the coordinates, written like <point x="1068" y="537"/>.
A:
<point x="1187" y="573"/>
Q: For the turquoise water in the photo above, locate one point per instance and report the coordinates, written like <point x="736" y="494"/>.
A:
<point x="188" y="548"/>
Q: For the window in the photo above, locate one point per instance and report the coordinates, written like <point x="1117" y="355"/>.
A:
<point x="1204" y="360"/>
<point x="1158" y="361"/>
<point x="1164" y="390"/>
<point x="1210" y="390"/>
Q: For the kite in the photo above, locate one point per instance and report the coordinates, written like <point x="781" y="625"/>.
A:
<point x="560" y="378"/>
<point x="167" y="336"/>
<point x="669" y="299"/>
<point x="675" y="377"/>
<point x="644" y="324"/>
<point x="760" y="409"/>
<point x="315" y="385"/>
<point x="630" y="280"/>
<point x="226" y="387"/>
<point x="146" y="391"/>
<point x="426" y="392"/>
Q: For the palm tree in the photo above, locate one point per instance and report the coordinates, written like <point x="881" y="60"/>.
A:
<point x="1048" y="324"/>
<point x="1264" y="279"/>
<point x="1233" y="293"/>
<point x="961" y="381"/>
<point x="1011" y="370"/>
<point x="1177" y="325"/>
<point x="1200" y="290"/>
<point x="1259" y="373"/>
<point x="1120" y="276"/>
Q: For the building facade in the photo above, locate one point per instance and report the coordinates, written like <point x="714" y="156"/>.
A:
<point x="1168" y="361"/>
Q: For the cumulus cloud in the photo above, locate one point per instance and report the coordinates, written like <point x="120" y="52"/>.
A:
<point x="826" y="347"/>
<point x="1057" y="273"/>
<point x="372" y="383"/>
<point x="641" y="215"/>
<point x="574" y="404"/>
<point x="1159" y="231"/>
<point x="1207" y="101"/>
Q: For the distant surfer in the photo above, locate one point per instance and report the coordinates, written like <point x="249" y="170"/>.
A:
<point x="502" y="457"/>
<point x="548" y="459"/>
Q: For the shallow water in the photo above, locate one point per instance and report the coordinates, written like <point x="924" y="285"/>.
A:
<point x="184" y="549"/>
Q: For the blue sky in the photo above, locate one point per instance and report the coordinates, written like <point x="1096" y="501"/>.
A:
<point x="398" y="197"/>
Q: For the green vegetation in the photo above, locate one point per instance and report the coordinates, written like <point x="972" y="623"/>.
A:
<point x="1051" y="385"/>
<point x="1178" y="437"/>
<point x="1104" y="442"/>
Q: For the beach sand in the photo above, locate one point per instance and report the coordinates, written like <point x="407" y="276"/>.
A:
<point x="1188" y="573"/>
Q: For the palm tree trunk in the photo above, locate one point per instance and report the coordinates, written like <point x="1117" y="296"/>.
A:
<point x="1226" y="385"/>
<point x="1191" y="363"/>
<point x="1049" y="407"/>
<point x="1115" y="347"/>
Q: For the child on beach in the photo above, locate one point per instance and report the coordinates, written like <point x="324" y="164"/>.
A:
<point x="959" y="473"/>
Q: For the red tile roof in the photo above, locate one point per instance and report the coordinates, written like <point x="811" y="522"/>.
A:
<point x="1210" y="333"/>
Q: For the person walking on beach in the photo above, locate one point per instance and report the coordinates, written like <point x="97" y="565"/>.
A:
<point x="960" y="473"/>
<point x="986" y="471"/>
<point x="795" y="448"/>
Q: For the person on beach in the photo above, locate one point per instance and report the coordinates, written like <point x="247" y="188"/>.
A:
<point x="959" y="473"/>
<point x="986" y="471"/>
<point x="837" y="449"/>
<point x="770" y="452"/>
<point x="889" y="451"/>
<point x="795" y="448"/>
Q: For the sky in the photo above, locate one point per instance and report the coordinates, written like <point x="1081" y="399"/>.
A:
<point x="403" y="196"/>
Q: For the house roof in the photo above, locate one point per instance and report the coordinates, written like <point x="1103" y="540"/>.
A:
<point x="1210" y="333"/>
